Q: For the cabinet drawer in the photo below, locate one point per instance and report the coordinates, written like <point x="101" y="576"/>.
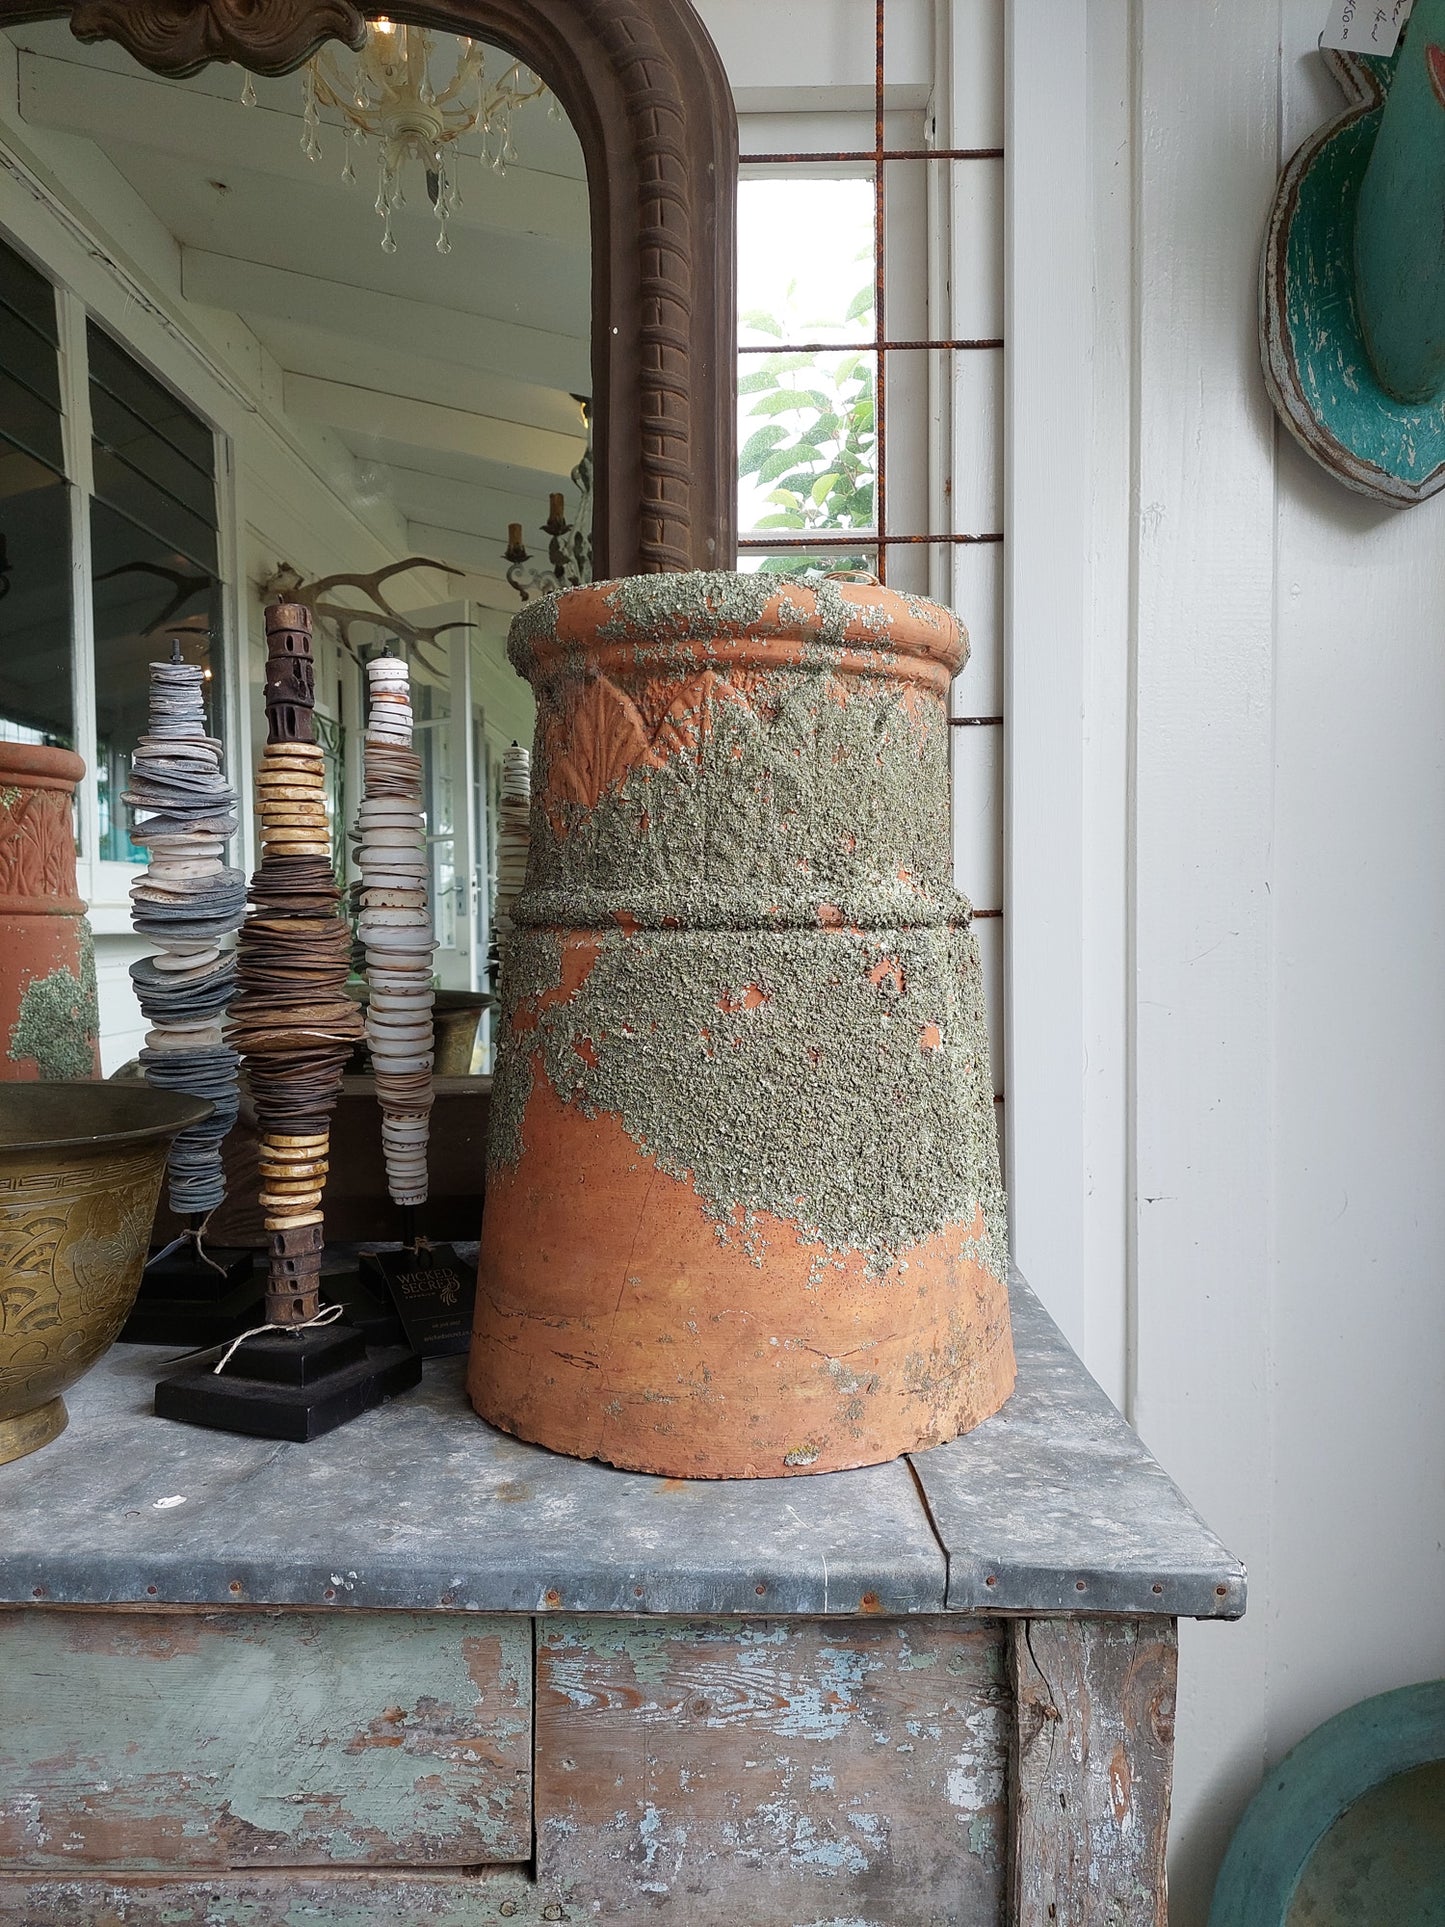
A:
<point x="137" y="1741"/>
<point x="822" y="1772"/>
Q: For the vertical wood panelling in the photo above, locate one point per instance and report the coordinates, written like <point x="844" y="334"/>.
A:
<point x="1045" y="601"/>
<point x="1108" y="694"/>
<point x="1089" y="1781"/>
<point x="1206" y="153"/>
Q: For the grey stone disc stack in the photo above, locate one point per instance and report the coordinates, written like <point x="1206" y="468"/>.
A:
<point x="188" y="903"/>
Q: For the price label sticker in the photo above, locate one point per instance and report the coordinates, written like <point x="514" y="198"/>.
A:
<point x="1365" y="26"/>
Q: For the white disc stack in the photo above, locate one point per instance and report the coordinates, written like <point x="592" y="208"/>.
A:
<point x="514" y="834"/>
<point x="395" y="929"/>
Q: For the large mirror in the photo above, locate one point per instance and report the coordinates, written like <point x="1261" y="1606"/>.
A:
<point x="382" y="332"/>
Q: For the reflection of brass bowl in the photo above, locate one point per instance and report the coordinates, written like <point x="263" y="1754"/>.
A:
<point x="80" y="1172"/>
<point x="456" y="1019"/>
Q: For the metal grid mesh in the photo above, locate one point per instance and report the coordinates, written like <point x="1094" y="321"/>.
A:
<point x="882" y="535"/>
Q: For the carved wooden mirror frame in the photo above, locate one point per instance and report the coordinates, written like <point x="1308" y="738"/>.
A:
<point x="645" y="90"/>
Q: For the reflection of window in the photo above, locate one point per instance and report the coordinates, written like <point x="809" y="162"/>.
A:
<point x="154" y="562"/>
<point x="35" y="613"/>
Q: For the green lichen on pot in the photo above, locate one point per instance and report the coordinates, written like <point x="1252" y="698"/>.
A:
<point x="709" y="606"/>
<point x="764" y="799"/>
<point x="772" y="1070"/>
<point x="59" y="1019"/>
<point x="782" y="1002"/>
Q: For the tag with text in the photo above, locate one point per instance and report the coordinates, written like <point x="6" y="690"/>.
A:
<point x="1365" y="26"/>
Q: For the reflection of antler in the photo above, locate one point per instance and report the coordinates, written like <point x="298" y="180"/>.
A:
<point x="186" y="587"/>
<point x="287" y="585"/>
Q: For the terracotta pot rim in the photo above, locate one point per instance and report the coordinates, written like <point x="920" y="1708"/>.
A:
<point x="884" y="631"/>
<point x="41" y="765"/>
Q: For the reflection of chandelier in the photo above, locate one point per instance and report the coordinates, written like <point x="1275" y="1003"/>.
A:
<point x="390" y="97"/>
<point x="569" y="544"/>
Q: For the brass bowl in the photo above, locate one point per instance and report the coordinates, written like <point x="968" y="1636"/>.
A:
<point x="80" y="1171"/>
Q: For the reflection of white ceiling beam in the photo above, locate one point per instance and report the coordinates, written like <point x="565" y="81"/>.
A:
<point x="388" y="320"/>
<point x="474" y="553"/>
<point x="225" y="137"/>
<point x="488" y="591"/>
<point x="423" y="497"/>
<point x="310" y="351"/>
<point x="422" y="424"/>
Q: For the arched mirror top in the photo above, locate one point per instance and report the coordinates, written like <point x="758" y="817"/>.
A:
<point x="644" y="88"/>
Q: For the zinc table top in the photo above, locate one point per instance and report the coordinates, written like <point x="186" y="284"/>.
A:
<point x="1053" y="1506"/>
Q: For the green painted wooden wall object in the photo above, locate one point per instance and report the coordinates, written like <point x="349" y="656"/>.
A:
<point x="1352" y="283"/>
<point x="1348" y="1828"/>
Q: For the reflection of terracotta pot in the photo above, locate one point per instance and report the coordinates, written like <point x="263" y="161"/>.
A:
<point x="743" y="1208"/>
<point x="48" y="1021"/>
<point x="80" y="1171"/>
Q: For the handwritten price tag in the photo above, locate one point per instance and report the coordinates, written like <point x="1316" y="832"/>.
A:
<point x="1365" y="26"/>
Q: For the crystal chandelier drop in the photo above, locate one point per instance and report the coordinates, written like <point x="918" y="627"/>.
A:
<point x="391" y="96"/>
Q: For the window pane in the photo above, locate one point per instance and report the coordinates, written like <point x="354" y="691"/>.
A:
<point x="153" y="459"/>
<point x="35" y="613"/>
<point x="35" y="533"/>
<point x="144" y="593"/>
<point x="805" y="260"/>
<point x="806" y="443"/>
<point x="154" y="567"/>
<point x="827" y="561"/>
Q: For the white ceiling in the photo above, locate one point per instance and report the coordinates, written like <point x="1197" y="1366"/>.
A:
<point x="450" y="378"/>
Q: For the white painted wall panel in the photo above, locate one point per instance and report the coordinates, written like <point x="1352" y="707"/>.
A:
<point x="1264" y="914"/>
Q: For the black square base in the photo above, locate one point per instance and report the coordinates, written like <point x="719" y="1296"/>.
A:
<point x="293" y="1386"/>
<point x="365" y="1304"/>
<point x="186" y="1302"/>
<point x="182" y="1274"/>
<point x="434" y="1294"/>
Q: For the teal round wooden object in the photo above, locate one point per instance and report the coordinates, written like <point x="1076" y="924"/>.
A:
<point x="1318" y="266"/>
<point x="1349" y="1827"/>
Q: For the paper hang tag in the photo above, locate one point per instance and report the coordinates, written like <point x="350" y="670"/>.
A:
<point x="1365" y="26"/>
<point x="433" y="1292"/>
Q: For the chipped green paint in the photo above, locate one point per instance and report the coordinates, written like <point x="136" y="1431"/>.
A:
<point x="241" y="1740"/>
<point x="1352" y="281"/>
<point x="59" y="1018"/>
<point x="761" y="1773"/>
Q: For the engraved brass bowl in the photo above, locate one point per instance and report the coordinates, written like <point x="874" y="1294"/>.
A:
<point x="80" y="1171"/>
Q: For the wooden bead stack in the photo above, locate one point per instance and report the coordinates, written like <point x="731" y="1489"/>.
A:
<point x="395" y="928"/>
<point x="293" y="1021"/>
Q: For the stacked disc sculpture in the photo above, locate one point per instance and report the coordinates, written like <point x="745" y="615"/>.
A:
<point x="188" y="904"/>
<point x="395" y="929"/>
<point x="295" y="1027"/>
<point x="514" y="817"/>
<point x="292" y="1020"/>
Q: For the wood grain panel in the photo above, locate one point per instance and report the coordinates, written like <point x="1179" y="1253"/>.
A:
<point x="789" y="1772"/>
<point x="222" y="1740"/>
<point x="273" y="1900"/>
<point x="1089" y="1793"/>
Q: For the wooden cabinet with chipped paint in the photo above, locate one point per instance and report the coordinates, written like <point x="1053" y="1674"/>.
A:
<point x="420" y="1672"/>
